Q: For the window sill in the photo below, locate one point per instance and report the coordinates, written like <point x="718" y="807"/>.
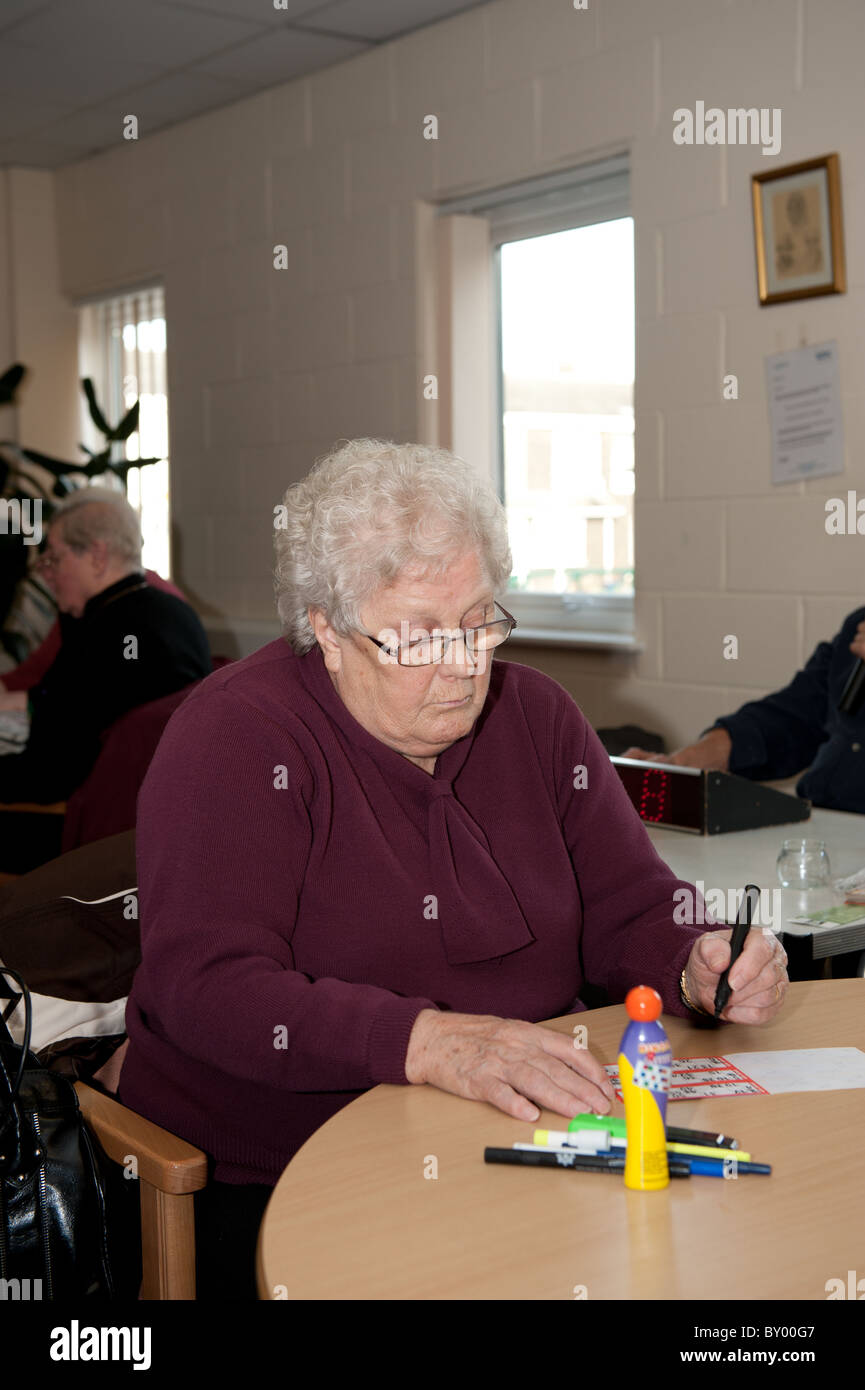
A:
<point x="562" y="637"/>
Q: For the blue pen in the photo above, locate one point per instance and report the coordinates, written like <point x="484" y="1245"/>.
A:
<point x="721" y="1168"/>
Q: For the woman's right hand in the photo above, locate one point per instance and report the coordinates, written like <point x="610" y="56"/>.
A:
<point x="515" y="1066"/>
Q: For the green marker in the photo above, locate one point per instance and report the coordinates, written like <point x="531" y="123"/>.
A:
<point x="615" y="1125"/>
<point x="611" y="1123"/>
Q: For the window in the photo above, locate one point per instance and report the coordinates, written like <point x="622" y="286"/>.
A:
<point x="567" y="378"/>
<point x="539" y="452"/>
<point x="122" y="347"/>
<point x="560" y="258"/>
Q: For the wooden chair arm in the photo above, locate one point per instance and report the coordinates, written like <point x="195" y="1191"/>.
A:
<point x="56" y="808"/>
<point x="165" y="1162"/>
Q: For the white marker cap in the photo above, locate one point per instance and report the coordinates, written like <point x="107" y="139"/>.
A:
<point x="589" y="1140"/>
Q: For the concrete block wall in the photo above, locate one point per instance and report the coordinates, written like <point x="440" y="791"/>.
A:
<point x="268" y="367"/>
<point x="38" y="325"/>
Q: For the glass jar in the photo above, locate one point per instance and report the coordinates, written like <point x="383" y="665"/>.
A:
<point x="803" y="864"/>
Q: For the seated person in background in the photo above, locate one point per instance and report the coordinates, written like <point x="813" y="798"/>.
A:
<point x="797" y="727"/>
<point x="15" y="684"/>
<point x="124" y="644"/>
<point x="362" y="857"/>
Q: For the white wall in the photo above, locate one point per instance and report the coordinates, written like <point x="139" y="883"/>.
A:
<point x="268" y="368"/>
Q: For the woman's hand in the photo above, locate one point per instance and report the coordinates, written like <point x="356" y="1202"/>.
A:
<point x="513" y="1065"/>
<point x="758" y="980"/>
<point x="858" y="644"/>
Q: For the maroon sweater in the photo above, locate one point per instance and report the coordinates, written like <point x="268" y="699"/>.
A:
<point x="306" y="891"/>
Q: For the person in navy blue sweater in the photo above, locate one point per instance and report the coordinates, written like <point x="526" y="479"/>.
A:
<point x="797" y="728"/>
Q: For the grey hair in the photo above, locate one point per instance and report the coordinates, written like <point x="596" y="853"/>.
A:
<point x="100" y="514"/>
<point x="368" y="511"/>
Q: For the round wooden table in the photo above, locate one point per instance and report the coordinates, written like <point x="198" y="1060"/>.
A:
<point x="358" y="1214"/>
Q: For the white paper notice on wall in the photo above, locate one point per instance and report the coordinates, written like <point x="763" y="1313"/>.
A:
<point x="805" y="413"/>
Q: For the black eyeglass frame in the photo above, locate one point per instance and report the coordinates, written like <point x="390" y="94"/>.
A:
<point x="394" y="654"/>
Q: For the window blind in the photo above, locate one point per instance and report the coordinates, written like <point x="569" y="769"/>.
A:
<point x="122" y="348"/>
<point x="596" y="192"/>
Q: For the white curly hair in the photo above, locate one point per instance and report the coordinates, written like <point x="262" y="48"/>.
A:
<point x="368" y="511"/>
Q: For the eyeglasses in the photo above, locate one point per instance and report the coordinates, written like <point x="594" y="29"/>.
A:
<point x="49" y="560"/>
<point x="429" y="648"/>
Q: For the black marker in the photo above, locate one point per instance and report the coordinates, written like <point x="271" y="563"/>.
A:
<point x="750" y="897"/>
<point x="700" y="1136"/>
<point x="579" y="1162"/>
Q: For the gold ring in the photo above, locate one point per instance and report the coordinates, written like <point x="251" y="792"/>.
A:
<point x="777" y="990"/>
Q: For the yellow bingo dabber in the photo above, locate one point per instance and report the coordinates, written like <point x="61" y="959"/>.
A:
<point x="645" y="1068"/>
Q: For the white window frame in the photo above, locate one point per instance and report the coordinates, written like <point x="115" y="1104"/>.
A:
<point x="472" y="229"/>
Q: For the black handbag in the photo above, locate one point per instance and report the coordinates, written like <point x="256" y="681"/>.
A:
<point x="53" y="1212"/>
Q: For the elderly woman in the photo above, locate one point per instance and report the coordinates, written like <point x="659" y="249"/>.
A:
<point x="371" y="854"/>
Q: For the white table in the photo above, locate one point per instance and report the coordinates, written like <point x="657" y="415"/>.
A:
<point x="728" y="862"/>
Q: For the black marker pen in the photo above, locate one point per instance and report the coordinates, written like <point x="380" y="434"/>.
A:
<point x="750" y="898"/>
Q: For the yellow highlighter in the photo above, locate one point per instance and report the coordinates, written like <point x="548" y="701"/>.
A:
<point x="702" y="1151"/>
<point x="603" y="1141"/>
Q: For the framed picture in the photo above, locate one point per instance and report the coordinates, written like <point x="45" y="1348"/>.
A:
<point x="798" y="231"/>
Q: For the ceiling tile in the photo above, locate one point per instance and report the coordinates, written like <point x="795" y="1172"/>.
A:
<point x="178" y="95"/>
<point x="14" y="10"/>
<point x="382" y="19"/>
<point x="278" y="57"/>
<point x="88" y="131"/>
<point x="255" y="11"/>
<point x="161" y="103"/>
<point x="77" y="78"/>
<point x="27" y="117"/>
<point x="71" y="69"/>
<point x="146" y="31"/>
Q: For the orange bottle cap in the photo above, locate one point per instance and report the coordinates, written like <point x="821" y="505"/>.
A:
<point x="644" y="1003"/>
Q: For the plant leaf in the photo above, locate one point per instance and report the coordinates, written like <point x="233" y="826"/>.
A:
<point x="128" y="425"/>
<point x="55" y="466"/>
<point x="10" y="381"/>
<point x="95" y="413"/>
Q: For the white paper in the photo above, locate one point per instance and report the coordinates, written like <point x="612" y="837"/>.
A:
<point x="761" y="1073"/>
<point x="14" y="730"/>
<point x="804" y="1069"/>
<point x="805" y="413"/>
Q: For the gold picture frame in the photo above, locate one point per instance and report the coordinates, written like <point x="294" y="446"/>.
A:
<point x="798" y="231"/>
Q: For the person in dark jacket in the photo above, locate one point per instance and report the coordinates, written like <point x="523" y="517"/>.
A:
<point x="124" y="644"/>
<point x="15" y="683"/>
<point x="795" y="728"/>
